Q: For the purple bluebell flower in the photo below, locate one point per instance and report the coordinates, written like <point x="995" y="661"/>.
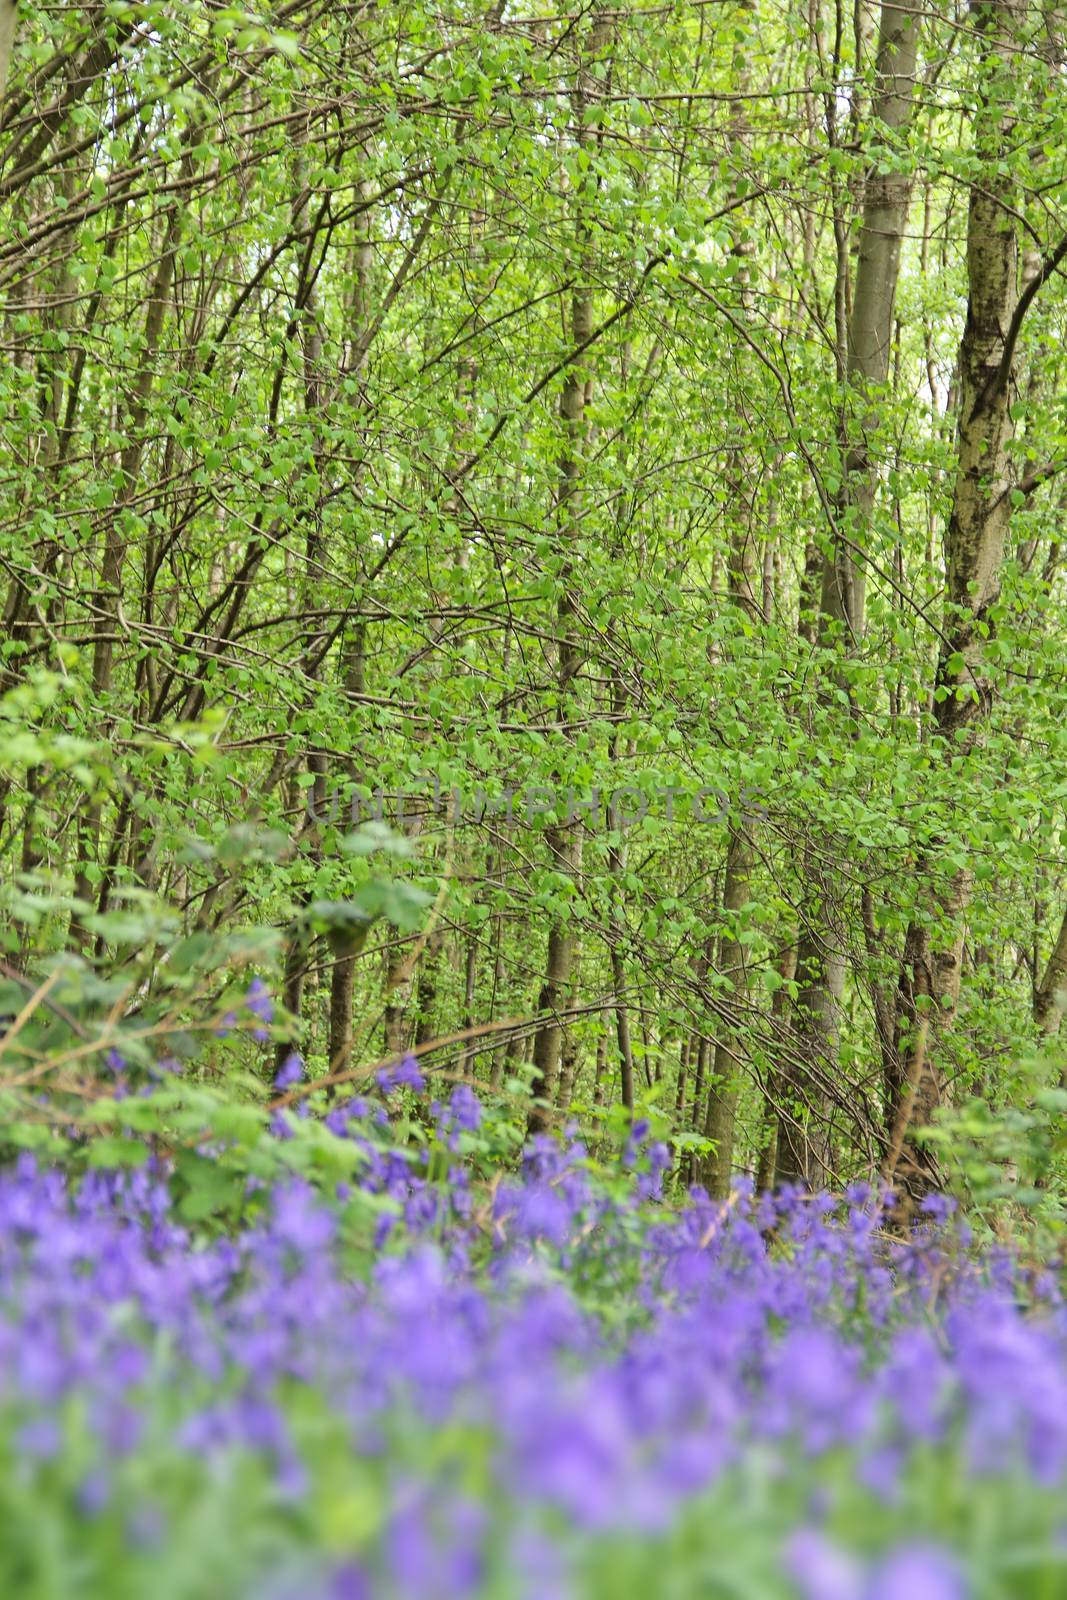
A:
<point x="337" y="1121"/>
<point x="603" y="1370"/>
<point x="260" y="1004"/>
<point x="349" y="1582"/>
<point x="403" y="1074"/>
<point x="41" y="1438"/>
<point x="291" y="1071"/>
<point x="465" y="1108"/>
<point x="820" y="1569"/>
<point x="917" y="1572"/>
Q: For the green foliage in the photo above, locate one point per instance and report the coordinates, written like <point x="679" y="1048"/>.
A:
<point x="1010" y="1162"/>
<point x="295" y="525"/>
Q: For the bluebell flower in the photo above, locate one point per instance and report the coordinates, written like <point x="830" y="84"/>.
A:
<point x="291" y="1071"/>
<point x="259" y="1002"/>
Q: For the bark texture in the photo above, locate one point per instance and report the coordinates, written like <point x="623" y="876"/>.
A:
<point x="8" y="20"/>
<point x="974" y="553"/>
<point x="821" y="959"/>
<point x="565" y="842"/>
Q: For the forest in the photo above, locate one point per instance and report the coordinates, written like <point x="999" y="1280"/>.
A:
<point x="533" y="800"/>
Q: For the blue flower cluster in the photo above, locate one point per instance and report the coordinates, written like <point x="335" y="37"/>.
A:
<point x="549" y="1385"/>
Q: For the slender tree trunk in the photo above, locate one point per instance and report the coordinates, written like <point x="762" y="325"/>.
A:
<point x="426" y="987"/>
<point x="470" y="975"/>
<point x="397" y="991"/>
<point x="565" y="843"/>
<point x="697" y="1113"/>
<point x="886" y="196"/>
<point x="820" y="978"/>
<point x="767" y="1154"/>
<point x="354" y="649"/>
<point x="8" y="19"/>
<point x="821" y="962"/>
<point x="622" y="1030"/>
<point x="106" y="625"/>
<point x="722" y="1096"/>
<point x="1049" y="995"/>
<point x="546" y="1052"/>
<point x="600" y="1068"/>
<point x="974" y="552"/>
<point x="569" y="1058"/>
<point x="682" y="1084"/>
<point x="343" y="975"/>
<point x="500" y="1052"/>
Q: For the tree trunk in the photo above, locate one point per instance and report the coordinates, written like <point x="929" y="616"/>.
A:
<point x="470" y="974"/>
<point x="426" y="987"/>
<point x="1049" y="996"/>
<point x="600" y="1069"/>
<point x="354" y="651"/>
<point x="722" y="1097"/>
<point x="622" y="1030"/>
<point x="821" y="965"/>
<point x="682" y="1085"/>
<point x="767" y="1154"/>
<point x="568" y="1069"/>
<point x="974" y="552"/>
<point x="397" y="992"/>
<point x="565" y="843"/>
<point x="886" y="197"/>
<point x="8" y="20"/>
